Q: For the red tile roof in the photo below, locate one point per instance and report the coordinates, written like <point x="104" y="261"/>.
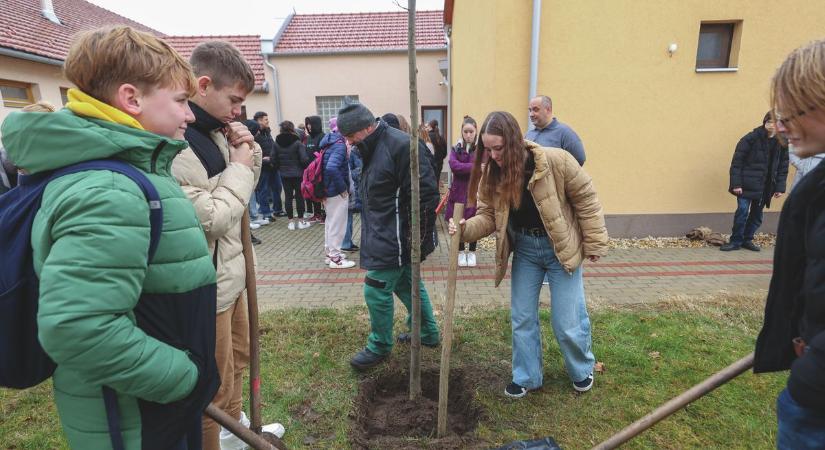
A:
<point x="358" y="32"/>
<point x="23" y="27"/>
<point x="249" y="45"/>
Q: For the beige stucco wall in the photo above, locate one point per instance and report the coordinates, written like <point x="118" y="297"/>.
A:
<point x="381" y="81"/>
<point x="658" y="135"/>
<point x="262" y="101"/>
<point x="46" y="80"/>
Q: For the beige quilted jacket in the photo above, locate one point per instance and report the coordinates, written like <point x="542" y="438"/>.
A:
<point x="220" y="203"/>
<point x="567" y="203"/>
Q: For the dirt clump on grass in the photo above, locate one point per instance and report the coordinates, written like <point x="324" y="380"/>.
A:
<point x="385" y="417"/>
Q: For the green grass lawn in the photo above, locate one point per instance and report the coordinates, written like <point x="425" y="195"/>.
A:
<point x="650" y="354"/>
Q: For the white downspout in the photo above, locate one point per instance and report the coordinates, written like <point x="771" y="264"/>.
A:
<point x="534" y="50"/>
<point x="47" y="9"/>
<point x="449" y="126"/>
<point x="276" y="88"/>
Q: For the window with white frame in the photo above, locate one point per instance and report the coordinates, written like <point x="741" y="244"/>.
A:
<point x="328" y="106"/>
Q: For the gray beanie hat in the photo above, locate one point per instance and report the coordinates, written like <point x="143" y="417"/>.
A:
<point x="354" y="117"/>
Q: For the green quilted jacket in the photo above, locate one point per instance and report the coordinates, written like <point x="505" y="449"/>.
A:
<point x="105" y="317"/>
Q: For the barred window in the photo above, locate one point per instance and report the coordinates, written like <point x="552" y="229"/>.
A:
<point x="328" y="106"/>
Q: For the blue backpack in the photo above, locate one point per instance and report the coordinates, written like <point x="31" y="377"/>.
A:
<point x="23" y="363"/>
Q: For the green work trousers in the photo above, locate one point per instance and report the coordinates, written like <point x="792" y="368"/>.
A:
<point x="379" y="285"/>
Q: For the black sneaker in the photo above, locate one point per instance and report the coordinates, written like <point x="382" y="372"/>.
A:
<point x="751" y="246"/>
<point x="255" y="241"/>
<point x="515" y="390"/>
<point x="279" y="214"/>
<point x="366" y="359"/>
<point x="406" y="338"/>
<point x="584" y="385"/>
<point x="729" y="247"/>
<point x="353" y="248"/>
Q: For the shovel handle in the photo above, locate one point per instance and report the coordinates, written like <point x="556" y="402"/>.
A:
<point x="677" y="403"/>
<point x="245" y="434"/>
<point x="254" y="342"/>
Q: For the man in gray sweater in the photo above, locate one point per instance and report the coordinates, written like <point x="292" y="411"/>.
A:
<point x="549" y="132"/>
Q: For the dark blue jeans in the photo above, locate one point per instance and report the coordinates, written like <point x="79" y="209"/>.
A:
<point x="746" y="220"/>
<point x="269" y="190"/>
<point x="799" y="428"/>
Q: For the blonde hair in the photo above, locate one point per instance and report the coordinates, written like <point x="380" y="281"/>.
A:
<point x="101" y="60"/>
<point x="799" y="83"/>
<point x="41" y="106"/>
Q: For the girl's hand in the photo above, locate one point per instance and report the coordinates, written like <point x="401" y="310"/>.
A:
<point x="451" y="228"/>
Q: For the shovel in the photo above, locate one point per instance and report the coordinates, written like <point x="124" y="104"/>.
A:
<point x="677" y="403"/>
<point x="254" y="342"/>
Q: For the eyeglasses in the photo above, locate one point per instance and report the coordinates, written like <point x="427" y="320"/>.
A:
<point x="786" y="120"/>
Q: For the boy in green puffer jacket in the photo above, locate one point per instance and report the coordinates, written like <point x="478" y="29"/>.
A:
<point x="106" y="317"/>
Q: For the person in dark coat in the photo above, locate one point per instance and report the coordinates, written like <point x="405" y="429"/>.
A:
<point x="290" y="159"/>
<point x="793" y="334"/>
<point x="461" y="164"/>
<point x="757" y="174"/>
<point x="315" y="132"/>
<point x="439" y="148"/>
<point x="386" y="229"/>
<point x="269" y="185"/>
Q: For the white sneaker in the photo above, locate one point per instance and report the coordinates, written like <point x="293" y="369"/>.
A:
<point x="462" y="259"/>
<point x="229" y="441"/>
<point x="471" y="259"/>
<point x="254" y="226"/>
<point x="342" y="264"/>
<point x="275" y="428"/>
<point x="262" y="221"/>
<point x="307" y="215"/>
<point x="303" y="224"/>
<point x="291" y="226"/>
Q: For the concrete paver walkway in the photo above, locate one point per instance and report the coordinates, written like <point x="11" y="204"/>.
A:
<point x="291" y="273"/>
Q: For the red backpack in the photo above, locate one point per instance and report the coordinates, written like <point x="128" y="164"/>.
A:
<point x="312" y="184"/>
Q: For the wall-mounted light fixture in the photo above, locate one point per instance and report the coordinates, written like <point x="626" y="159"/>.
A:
<point x="671" y="49"/>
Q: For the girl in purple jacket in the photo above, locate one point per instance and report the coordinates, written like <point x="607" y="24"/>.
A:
<point x="461" y="163"/>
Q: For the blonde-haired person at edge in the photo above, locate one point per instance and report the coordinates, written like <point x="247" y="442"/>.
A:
<point x="793" y="334"/>
<point x="542" y="207"/>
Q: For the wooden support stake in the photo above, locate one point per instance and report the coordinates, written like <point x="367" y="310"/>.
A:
<point x="447" y="339"/>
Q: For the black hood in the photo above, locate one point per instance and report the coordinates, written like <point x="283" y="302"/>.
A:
<point x="316" y="125"/>
<point x="286" y="139"/>
<point x="203" y="120"/>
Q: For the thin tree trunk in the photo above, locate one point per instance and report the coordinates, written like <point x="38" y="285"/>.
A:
<point x="415" y="211"/>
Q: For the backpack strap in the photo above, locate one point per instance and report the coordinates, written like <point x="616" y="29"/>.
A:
<point x="156" y="227"/>
<point x="149" y="191"/>
<point x="113" y="418"/>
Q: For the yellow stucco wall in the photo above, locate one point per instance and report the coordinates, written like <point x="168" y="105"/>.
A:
<point x="659" y="136"/>
<point x="380" y="80"/>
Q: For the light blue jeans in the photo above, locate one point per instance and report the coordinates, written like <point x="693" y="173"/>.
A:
<point x="533" y="259"/>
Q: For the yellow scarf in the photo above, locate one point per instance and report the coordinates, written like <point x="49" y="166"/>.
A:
<point x="85" y="105"/>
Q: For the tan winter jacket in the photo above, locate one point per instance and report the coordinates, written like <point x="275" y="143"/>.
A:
<point x="567" y="203"/>
<point x="220" y="203"/>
